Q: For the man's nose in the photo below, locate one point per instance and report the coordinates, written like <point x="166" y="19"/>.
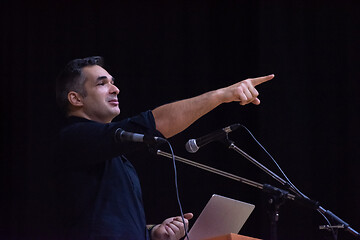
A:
<point x="114" y="90"/>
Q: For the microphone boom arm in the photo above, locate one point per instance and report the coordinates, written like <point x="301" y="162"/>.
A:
<point x="264" y="187"/>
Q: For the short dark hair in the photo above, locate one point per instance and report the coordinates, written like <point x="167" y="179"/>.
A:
<point x="72" y="79"/>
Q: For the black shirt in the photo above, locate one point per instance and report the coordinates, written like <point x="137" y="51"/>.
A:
<point x="99" y="193"/>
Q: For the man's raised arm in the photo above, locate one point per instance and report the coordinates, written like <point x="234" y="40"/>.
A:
<point x="175" y="117"/>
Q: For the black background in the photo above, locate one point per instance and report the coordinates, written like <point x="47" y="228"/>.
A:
<point x="162" y="51"/>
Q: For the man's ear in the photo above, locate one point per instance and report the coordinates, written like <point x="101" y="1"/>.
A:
<point x="75" y="99"/>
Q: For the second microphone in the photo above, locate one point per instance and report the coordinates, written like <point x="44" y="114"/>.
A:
<point x="193" y="145"/>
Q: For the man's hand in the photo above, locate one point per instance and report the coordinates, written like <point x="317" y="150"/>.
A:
<point x="171" y="229"/>
<point x="244" y="92"/>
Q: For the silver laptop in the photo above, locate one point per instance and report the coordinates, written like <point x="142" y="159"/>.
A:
<point x="220" y="216"/>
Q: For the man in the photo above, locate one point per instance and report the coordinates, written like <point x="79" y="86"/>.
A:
<point x="98" y="187"/>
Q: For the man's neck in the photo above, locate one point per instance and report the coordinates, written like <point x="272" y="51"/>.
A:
<point x="84" y="115"/>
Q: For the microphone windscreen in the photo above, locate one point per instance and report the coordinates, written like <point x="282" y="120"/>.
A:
<point x="191" y="146"/>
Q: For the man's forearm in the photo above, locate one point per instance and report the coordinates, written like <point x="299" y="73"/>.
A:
<point x="175" y="117"/>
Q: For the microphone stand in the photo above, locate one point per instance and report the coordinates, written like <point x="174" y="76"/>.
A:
<point x="277" y="193"/>
<point x="279" y="199"/>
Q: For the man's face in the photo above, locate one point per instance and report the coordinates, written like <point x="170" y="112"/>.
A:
<point x="101" y="103"/>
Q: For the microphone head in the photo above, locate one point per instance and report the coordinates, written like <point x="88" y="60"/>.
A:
<point x="191" y="146"/>
<point x="235" y="126"/>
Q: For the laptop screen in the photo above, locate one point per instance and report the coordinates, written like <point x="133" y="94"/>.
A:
<point x="220" y="216"/>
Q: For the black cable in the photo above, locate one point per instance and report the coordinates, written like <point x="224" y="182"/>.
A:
<point x="177" y="189"/>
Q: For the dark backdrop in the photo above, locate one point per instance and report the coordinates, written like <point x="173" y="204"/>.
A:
<point x="162" y="51"/>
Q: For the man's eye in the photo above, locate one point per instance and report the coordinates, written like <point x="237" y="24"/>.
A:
<point x="100" y="84"/>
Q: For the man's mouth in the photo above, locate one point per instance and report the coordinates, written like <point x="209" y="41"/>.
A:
<point x="114" y="101"/>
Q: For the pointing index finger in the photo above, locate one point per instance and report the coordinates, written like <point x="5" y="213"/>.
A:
<point x="259" y="80"/>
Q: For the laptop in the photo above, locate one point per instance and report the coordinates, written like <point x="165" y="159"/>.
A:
<point x="220" y="216"/>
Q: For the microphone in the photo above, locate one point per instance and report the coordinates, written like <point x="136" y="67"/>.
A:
<point x="124" y="136"/>
<point x="193" y="145"/>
